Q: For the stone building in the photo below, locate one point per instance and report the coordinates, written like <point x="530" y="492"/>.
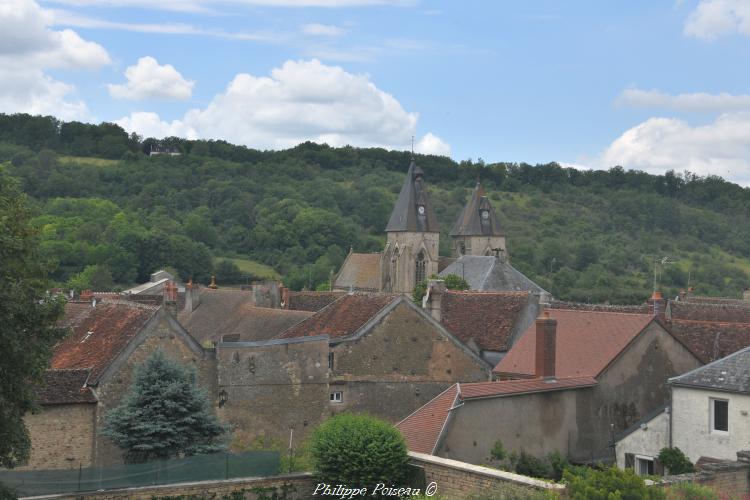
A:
<point x="477" y="230"/>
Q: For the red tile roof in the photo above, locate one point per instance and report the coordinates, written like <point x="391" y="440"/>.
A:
<point x="587" y="342"/>
<point x="65" y="387"/>
<point x="710" y="340"/>
<point x="486" y="317"/>
<point x="99" y="334"/>
<point x="738" y="312"/>
<point x="422" y="429"/>
<point x="341" y="318"/>
<point x="311" y="301"/>
<point x="360" y="271"/>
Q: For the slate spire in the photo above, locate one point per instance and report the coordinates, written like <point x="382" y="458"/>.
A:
<point x="413" y="210"/>
<point x="477" y="217"/>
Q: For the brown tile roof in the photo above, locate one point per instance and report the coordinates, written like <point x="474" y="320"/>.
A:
<point x="99" y="334"/>
<point x="486" y="317"/>
<point x="232" y="312"/>
<point x="736" y="312"/>
<point x="311" y="301"/>
<point x="586" y="343"/>
<point x="422" y="429"/>
<point x="580" y="306"/>
<point x="360" y="271"/>
<point x="65" y="387"/>
<point x="710" y="340"/>
<point x="341" y="318"/>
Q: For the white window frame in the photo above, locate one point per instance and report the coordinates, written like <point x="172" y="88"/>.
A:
<point x="712" y="420"/>
<point x="643" y="458"/>
<point x="337" y="397"/>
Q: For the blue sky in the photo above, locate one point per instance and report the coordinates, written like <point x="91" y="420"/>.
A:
<point x="651" y="85"/>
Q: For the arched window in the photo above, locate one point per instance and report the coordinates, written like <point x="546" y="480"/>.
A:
<point x="420" y="267"/>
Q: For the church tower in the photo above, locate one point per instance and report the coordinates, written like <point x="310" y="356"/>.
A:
<point x="413" y="235"/>
<point x="477" y="230"/>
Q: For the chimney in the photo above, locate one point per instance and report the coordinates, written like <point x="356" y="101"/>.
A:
<point x="546" y="344"/>
<point x="87" y="295"/>
<point x="657" y="305"/>
<point x="284" y="297"/>
<point x="433" y="298"/>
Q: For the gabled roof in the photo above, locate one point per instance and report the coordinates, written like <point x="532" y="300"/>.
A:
<point x="225" y="312"/>
<point x="99" y="334"/>
<point x="491" y="274"/>
<point x="311" y="301"/>
<point x="423" y="429"/>
<point x="360" y="271"/>
<point x="710" y="340"/>
<point x="470" y="221"/>
<point x="586" y="343"/>
<point x="341" y="318"/>
<point x="65" y="387"/>
<point x="405" y="216"/>
<point x="731" y="374"/>
<point x="734" y="312"/>
<point x="648" y="417"/>
<point x="486" y="317"/>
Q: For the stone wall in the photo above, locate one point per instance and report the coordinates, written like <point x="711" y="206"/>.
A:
<point x="731" y="479"/>
<point x="62" y="436"/>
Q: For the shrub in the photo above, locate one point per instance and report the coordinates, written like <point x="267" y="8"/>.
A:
<point x="358" y="450"/>
<point x="529" y="465"/>
<point x="691" y="491"/>
<point x="584" y="483"/>
<point x="498" y="452"/>
<point x="675" y="461"/>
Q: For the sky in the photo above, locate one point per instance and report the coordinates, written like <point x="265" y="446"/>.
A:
<point x="646" y="84"/>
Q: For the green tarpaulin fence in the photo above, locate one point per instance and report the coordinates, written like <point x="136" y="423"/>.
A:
<point x="179" y="470"/>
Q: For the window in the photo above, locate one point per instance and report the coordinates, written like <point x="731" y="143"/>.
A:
<point x="719" y="415"/>
<point x="330" y="361"/>
<point x="644" y="466"/>
<point x="337" y="397"/>
<point x="420" y="267"/>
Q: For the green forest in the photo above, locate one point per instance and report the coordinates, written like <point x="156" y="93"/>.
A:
<point x="108" y="214"/>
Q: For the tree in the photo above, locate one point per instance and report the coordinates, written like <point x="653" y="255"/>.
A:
<point x="358" y="450"/>
<point x="164" y="415"/>
<point x="227" y="272"/>
<point x="27" y="322"/>
<point x="96" y="278"/>
<point x="452" y="282"/>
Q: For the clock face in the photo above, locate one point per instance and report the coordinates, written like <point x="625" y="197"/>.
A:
<point x="485" y="214"/>
<point x="420" y="209"/>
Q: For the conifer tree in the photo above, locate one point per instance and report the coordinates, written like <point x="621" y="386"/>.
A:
<point x="164" y="415"/>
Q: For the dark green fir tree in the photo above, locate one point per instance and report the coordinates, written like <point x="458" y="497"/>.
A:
<point x="165" y="415"/>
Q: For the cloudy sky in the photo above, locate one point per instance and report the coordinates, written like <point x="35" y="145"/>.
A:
<point x="652" y="85"/>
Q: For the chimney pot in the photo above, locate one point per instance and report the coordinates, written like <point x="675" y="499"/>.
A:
<point x="546" y="346"/>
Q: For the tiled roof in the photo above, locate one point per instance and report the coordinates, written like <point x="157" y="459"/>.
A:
<point x="99" y="334"/>
<point x="491" y="274"/>
<point x="486" y="317"/>
<point x="405" y="216"/>
<point x="736" y="312"/>
<point x="65" y="387"/>
<point x="360" y="271"/>
<point x="580" y="306"/>
<point x="731" y="373"/>
<point x="586" y="343"/>
<point x="311" y="301"/>
<point x="422" y="429"/>
<point x="703" y="299"/>
<point x="710" y="340"/>
<point x="341" y="318"/>
<point x="232" y="312"/>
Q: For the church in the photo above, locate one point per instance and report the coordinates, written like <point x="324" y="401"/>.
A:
<point x="411" y="254"/>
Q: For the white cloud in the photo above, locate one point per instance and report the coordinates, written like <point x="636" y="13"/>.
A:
<point x="27" y="48"/>
<point x="712" y="18"/>
<point x="721" y="147"/>
<point x="316" y="29"/>
<point x="431" y="144"/>
<point x="300" y="101"/>
<point x="205" y="5"/>
<point x="149" y="80"/>
<point x="699" y="101"/>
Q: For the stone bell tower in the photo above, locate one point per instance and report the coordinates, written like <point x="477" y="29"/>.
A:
<point x="477" y="230"/>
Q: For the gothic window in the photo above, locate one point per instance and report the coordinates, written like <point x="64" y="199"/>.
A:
<point x="420" y="267"/>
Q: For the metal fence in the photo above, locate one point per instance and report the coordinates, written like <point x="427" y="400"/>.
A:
<point x="196" y="468"/>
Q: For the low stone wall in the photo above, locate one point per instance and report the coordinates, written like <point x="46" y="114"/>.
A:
<point x="296" y="487"/>
<point x="457" y="480"/>
<point x="730" y="478"/>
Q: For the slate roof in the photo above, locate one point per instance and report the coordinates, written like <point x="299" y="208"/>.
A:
<point x="99" y="334"/>
<point x="359" y="272"/>
<point x="65" y="387"/>
<point x="404" y="216"/>
<point x="341" y="318"/>
<point x="225" y="312"/>
<point x="311" y="301"/>
<point x="648" y="417"/>
<point x="587" y="341"/>
<point x="491" y="274"/>
<point x="486" y="317"/>
<point x="710" y="340"/>
<point x="423" y="429"/>
<point x="470" y="221"/>
<point x="734" y="312"/>
<point x="731" y="374"/>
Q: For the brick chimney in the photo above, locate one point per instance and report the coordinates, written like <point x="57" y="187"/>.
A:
<point x="433" y="298"/>
<point x="546" y="345"/>
<point x="284" y="292"/>
<point x="657" y="304"/>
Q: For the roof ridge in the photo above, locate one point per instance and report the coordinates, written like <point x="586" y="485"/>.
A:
<point x="624" y="313"/>
<point x="704" y="321"/>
